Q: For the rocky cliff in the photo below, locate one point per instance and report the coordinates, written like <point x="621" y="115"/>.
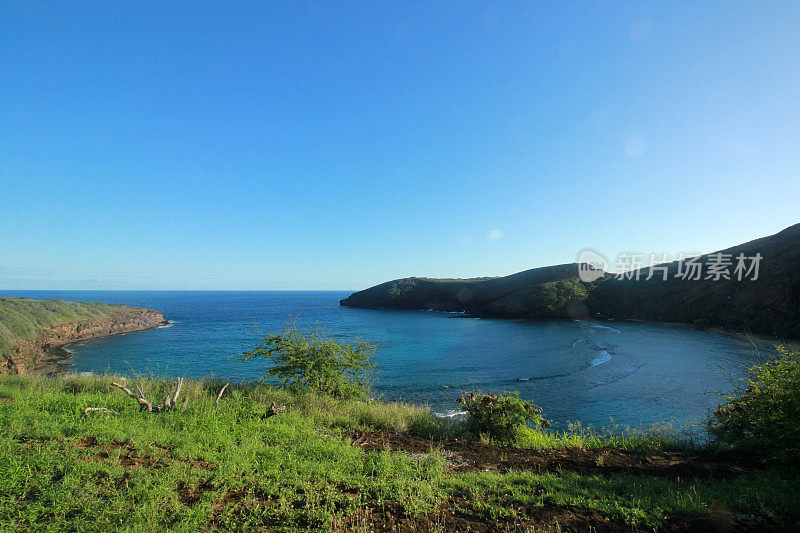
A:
<point x="34" y="332"/>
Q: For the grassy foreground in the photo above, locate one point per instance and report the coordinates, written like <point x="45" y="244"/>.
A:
<point x="62" y="470"/>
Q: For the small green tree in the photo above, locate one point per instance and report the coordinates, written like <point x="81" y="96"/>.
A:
<point x="764" y="416"/>
<point x="304" y="359"/>
<point x="500" y="417"/>
<point x="557" y="298"/>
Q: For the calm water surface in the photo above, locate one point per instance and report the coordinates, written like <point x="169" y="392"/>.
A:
<point x="634" y="374"/>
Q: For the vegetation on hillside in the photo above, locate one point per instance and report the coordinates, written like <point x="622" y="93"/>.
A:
<point x="21" y="318"/>
<point x="768" y="305"/>
<point x="305" y="469"/>
<point x="763" y="417"/>
<point x="500" y="418"/>
<point x="334" y="461"/>
<point x="303" y="359"/>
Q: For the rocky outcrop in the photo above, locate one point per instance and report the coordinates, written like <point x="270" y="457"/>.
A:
<point x="41" y="354"/>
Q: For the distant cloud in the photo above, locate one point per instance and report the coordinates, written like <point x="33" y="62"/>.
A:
<point x="495" y="234"/>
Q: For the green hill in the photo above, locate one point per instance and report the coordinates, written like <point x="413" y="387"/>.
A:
<point x="769" y="305"/>
<point x="31" y="331"/>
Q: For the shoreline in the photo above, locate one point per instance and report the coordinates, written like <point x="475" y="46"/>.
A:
<point x="54" y="363"/>
<point x="753" y="338"/>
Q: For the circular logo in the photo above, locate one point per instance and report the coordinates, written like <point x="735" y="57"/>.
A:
<point x="591" y="266"/>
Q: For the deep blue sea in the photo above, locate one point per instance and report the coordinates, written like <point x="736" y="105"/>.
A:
<point x="601" y="374"/>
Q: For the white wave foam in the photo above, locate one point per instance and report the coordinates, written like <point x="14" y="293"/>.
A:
<point x="577" y="341"/>
<point x="598" y="326"/>
<point x="450" y="413"/>
<point x="603" y="357"/>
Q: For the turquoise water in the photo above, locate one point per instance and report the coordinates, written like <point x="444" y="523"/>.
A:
<point x="630" y="374"/>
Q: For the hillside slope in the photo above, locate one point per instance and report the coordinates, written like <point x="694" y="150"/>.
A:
<point x="327" y="464"/>
<point x="33" y="331"/>
<point x="768" y="305"/>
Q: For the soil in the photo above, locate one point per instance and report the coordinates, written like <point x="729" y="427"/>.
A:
<point x="131" y="457"/>
<point x="455" y="514"/>
<point x="469" y="456"/>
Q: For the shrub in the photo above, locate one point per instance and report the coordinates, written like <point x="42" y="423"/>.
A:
<point x="557" y="298"/>
<point x="501" y="418"/>
<point x="764" y="416"/>
<point x="305" y="359"/>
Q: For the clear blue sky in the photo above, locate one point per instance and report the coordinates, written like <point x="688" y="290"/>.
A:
<point x="236" y="145"/>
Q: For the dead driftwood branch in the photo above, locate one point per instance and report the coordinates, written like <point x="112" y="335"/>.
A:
<point x="170" y="401"/>
<point x="141" y="399"/>
<point x="221" y="392"/>
<point x="177" y="393"/>
<point x="273" y="410"/>
<point x="107" y="412"/>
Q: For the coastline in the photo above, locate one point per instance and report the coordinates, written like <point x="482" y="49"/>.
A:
<point x="45" y="351"/>
<point x="56" y="356"/>
<point x="757" y="340"/>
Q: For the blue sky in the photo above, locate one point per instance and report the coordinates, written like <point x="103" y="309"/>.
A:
<point x="337" y="145"/>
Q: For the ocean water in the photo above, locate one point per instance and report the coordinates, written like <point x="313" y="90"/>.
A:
<point x="601" y="374"/>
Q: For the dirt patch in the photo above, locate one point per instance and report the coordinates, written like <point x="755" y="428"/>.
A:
<point x="468" y="456"/>
<point x="86" y="442"/>
<point x="450" y="518"/>
<point x="131" y="457"/>
<point x="455" y="513"/>
<point x="454" y="516"/>
<point x="191" y="494"/>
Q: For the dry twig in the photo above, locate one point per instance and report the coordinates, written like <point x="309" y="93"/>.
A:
<point x="169" y="401"/>
<point x="273" y="410"/>
<point x="221" y="392"/>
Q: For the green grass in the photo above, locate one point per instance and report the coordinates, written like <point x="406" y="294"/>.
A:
<point x="21" y="318"/>
<point x="660" y="437"/>
<point x="234" y="470"/>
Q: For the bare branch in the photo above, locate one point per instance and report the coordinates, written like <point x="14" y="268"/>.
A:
<point x="273" y="410"/>
<point x="124" y="389"/>
<point x="170" y="401"/>
<point x="185" y="403"/>
<point x="219" y="396"/>
<point x="177" y="392"/>
<point x="143" y="403"/>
